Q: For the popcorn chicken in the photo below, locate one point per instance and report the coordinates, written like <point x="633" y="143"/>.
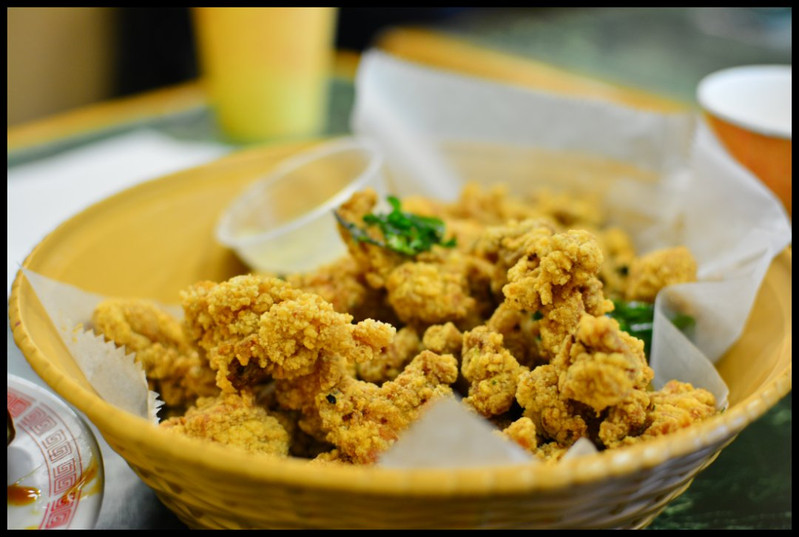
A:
<point x="364" y="419"/>
<point x="258" y="326"/>
<point x="172" y="366"/>
<point x="234" y="420"/>
<point x="656" y="270"/>
<point x="513" y="317"/>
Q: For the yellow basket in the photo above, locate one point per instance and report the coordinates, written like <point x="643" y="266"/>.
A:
<point x="108" y="249"/>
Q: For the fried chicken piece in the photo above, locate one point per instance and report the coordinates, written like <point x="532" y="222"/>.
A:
<point x="301" y="444"/>
<point x="343" y="284"/>
<point x="654" y="271"/>
<point x="423" y="294"/>
<point x="466" y="232"/>
<point x="550" y="452"/>
<point x="254" y="327"/>
<point x="629" y="418"/>
<point x="554" y="263"/>
<point x="676" y="406"/>
<point x="619" y="252"/>
<point x="601" y="365"/>
<point x="299" y="393"/>
<point x="558" y="323"/>
<point x="491" y="370"/>
<point x="375" y="262"/>
<point x="488" y="206"/>
<point x="173" y="368"/>
<point x="432" y="287"/>
<point x="523" y="432"/>
<point x="569" y="209"/>
<point x="424" y="206"/>
<point x="364" y="419"/>
<point x="443" y="339"/>
<point x="558" y="279"/>
<point x="465" y="219"/>
<point x="554" y="416"/>
<point x="233" y="420"/>
<point x="520" y="332"/>
<point x="224" y="313"/>
<point x="502" y="246"/>
<point x="332" y="456"/>
<point x="402" y="349"/>
<point x="598" y="387"/>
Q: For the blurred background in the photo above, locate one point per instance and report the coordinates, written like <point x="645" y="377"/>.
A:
<point x="63" y="58"/>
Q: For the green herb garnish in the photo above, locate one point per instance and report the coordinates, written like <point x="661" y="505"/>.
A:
<point x="405" y="233"/>
<point x="637" y="319"/>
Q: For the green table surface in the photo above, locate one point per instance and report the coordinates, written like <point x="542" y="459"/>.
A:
<point x="664" y="50"/>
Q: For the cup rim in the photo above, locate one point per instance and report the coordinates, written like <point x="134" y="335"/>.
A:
<point x="293" y="163"/>
<point x="708" y="88"/>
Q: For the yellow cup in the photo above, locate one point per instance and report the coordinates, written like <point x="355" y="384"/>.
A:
<point x="749" y="109"/>
<point x="266" y="70"/>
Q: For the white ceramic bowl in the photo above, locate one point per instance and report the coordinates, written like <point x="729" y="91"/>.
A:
<point x="753" y="97"/>
<point x="55" y="467"/>
<point x="284" y="222"/>
<point x="749" y="108"/>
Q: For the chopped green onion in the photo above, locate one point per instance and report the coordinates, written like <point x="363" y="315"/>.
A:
<point x="637" y="319"/>
<point x="405" y="233"/>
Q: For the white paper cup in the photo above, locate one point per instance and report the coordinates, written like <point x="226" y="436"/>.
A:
<point x="749" y="109"/>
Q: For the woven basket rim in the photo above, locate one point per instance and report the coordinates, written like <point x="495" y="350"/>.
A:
<point x="117" y="424"/>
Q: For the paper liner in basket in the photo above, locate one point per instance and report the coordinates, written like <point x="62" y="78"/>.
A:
<point x="688" y="190"/>
<point x="111" y="370"/>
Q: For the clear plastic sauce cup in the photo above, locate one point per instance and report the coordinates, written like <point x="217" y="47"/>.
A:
<point x="285" y="222"/>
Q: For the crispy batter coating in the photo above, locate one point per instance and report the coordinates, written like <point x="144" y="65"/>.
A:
<point x="504" y="245"/>
<point x="654" y="271"/>
<point x="257" y="326"/>
<point x="299" y="393"/>
<point x="489" y="206"/>
<point x="558" y="279"/>
<point x="628" y="418"/>
<point x="568" y="209"/>
<point x="376" y="263"/>
<point x="386" y="366"/>
<point x="554" y="416"/>
<point x="523" y="432"/>
<point x="599" y="369"/>
<point x="234" y="420"/>
<point x="364" y="419"/>
<point x="434" y="287"/>
<point x="550" y="452"/>
<point x="424" y="294"/>
<point x="554" y="264"/>
<point x="676" y="406"/>
<point x="521" y="334"/>
<point x="343" y="284"/>
<point x="601" y="365"/>
<point x="172" y="366"/>
<point x="443" y="339"/>
<point x="491" y="370"/>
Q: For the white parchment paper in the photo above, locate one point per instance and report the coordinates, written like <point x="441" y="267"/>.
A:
<point x="111" y="370"/>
